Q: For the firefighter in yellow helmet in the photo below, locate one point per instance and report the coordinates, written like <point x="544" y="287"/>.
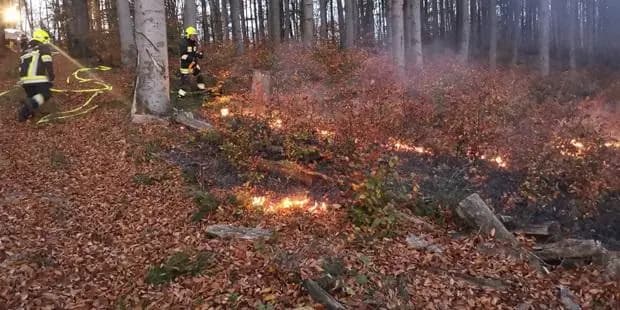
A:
<point x="36" y="73"/>
<point x="189" y="61"/>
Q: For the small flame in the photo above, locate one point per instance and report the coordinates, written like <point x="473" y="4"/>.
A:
<point x="613" y="145"/>
<point x="404" y="147"/>
<point x="277" y="123"/>
<point x="577" y="144"/>
<point x="224" y="112"/>
<point x="326" y="133"/>
<point x="258" y="201"/>
<point x="500" y="162"/>
<point x="289" y="203"/>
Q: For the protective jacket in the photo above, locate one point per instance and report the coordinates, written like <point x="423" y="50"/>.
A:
<point x="36" y="64"/>
<point x="189" y="55"/>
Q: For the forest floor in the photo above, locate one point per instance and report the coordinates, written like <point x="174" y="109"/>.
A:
<point x="97" y="212"/>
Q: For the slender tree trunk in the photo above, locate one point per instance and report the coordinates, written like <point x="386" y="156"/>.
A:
<point x="591" y="30"/>
<point x="261" y="20"/>
<point x="341" y="24"/>
<point x="493" y="34"/>
<point x="416" y="29"/>
<point x="572" y="34"/>
<point x="276" y="29"/>
<point x="545" y="26"/>
<point x="189" y="13"/>
<point x="236" y="26"/>
<point x="152" y="89"/>
<point x="465" y="28"/>
<point x="205" y="20"/>
<point x="323" y="13"/>
<point x="308" y="23"/>
<point x="126" y="30"/>
<point x="349" y="38"/>
<point x="216" y="21"/>
<point x="516" y="30"/>
<point x="225" y="20"/>
<point x="398" y="41"/>
<point x="244" y="22"/>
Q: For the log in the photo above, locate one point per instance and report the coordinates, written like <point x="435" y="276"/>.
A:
<point x="476" y="212"/>
<point x="569" y="249"/>
<point x="611" y="262"/>
<point x="188" y="119"/>
<point x="291" y="170"/>
<point x="546" y="229"/>
<point x="321" y="296"/>
<point x="239" y="232"/>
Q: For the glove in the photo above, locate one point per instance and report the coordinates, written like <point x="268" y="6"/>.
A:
<point x="184" y="57"/>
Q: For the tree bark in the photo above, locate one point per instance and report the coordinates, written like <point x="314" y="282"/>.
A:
<point x="225" y="20"/>
<point x="572" y="34"/>
<point x="465" y="30"/>
<point x="398" y="40"/>
<point x="476" y="212"/>
<point x="349" y="38"/>
<point x="216" y="21"/>
<point x="236" y="26"/>
<point x="516" y="30"/>
<point x="545" y="26"/>
<point x="78" y="29"/>
<point x="493" y="34"/>
<point x="414" y="36"/>
<point x="205" y="21"/>
<point x="341" y="24"/>
<point x="152" y="89"/>
<point x="189" y="13"/>
<point x="261" y="20"/>
<point x="127" y="38"/>
<point x="323" y="13"/>
<point x="308" y="23"/>
<point x="276" y="28"/>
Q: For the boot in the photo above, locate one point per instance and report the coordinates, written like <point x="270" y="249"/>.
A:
<point x="26" y="111"/>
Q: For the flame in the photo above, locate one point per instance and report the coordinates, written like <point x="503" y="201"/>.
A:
<point x="326" y="133"/>
<point x="224" y="112"/>
<point x="277" y="123"/>
<point x="615" y="145"/>
<point x="577" y="144"/>
<point x="404" y="147"/>
<point x="500" y="162"/>
<point x="288" y="203"/>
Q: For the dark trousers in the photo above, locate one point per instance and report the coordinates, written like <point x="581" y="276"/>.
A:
<point x="185" y="78"/>
<point x="34" y="89"/>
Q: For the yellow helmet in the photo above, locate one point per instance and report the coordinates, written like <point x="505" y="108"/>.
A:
<point x="41" y="35"/>
<point x="190" y="31"/>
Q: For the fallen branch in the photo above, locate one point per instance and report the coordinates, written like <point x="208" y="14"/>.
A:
<point x="569" y="249"/>
<point x="321" y="296"/>
<point x="547" y="229"/>
<point x="188" y="119"/>
<point x="291" y="170"/>
<point x="476" y="212"/>
<point x="414" y="220"/>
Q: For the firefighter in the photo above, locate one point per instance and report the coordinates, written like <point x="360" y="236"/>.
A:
<point x="36" y="73"/>
<point x="189" y="61"/>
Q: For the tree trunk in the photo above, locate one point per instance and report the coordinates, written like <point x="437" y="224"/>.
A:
<point x="465" y="28"/>
<point x="349" y="38"/>
<point x="493" y="34"/>
<point x="126" y="30"/>
<point x="216" y="21"/>
<point x="152" y="89"/>
<point x="545" y="26"/>
<point x="591" y="30"/>
<point x="308" y="23"/>
<point x="244" y="22"/>
<point x="261" y="20"/>
<point x="323" y="13"/>
<point x="341" y="24"/>
<point x="78" y="29"/>
<point x="189" y="13"/>
<point x="416" y="29"/>
<point x="572" y="34"/>
<point x="205" y="20"/>
<point x="225" y="20"/>
<point x="516" y="30"/>
<point x="276" y="28"/>
<point x="398" y="40"/>
<point x="236" y="26"/>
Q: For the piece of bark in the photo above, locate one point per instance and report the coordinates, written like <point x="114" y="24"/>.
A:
<point x="567" y="299"/>
<point x="569" y="249"/>
<point x="188" y="119"/>
<point x="321" y="296"/>
<point x="415" y="220"/>
<point x="476" y="212"/>
<point x="291" y="170"/>
<point x="546" y="229"/>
